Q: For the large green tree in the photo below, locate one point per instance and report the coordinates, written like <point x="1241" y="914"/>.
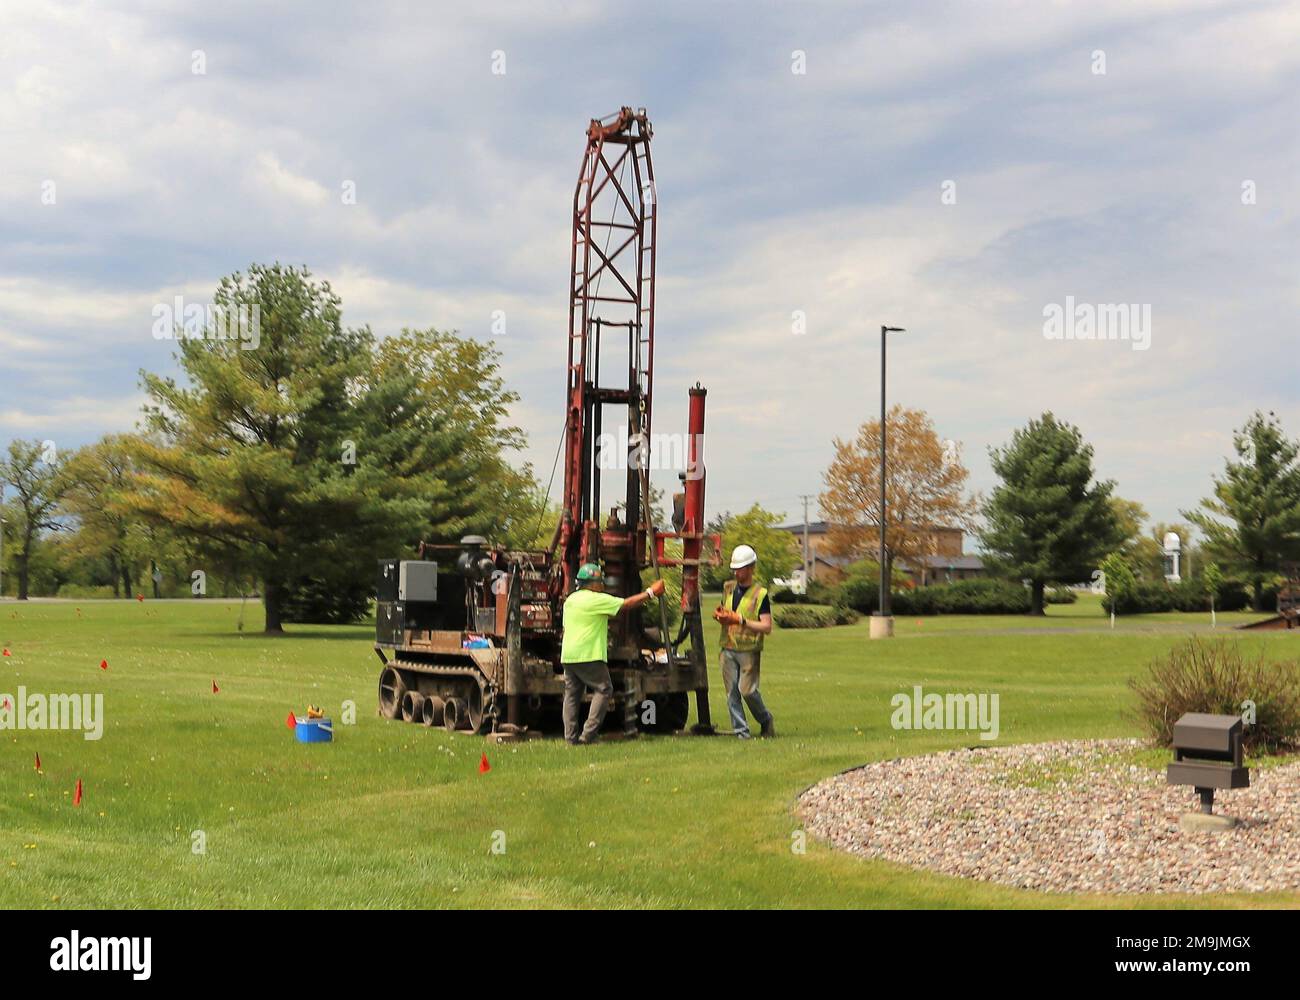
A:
<point x="300" y="454"/>
<point x="450" y="392"/>
<point x="30" y="473"/>
<point x="99" y="480"/>
<point x="1048" y="520"/>
<point x="1251" y="523"/>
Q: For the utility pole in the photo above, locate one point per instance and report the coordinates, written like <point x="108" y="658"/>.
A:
<point x="882" y="622"/>
<point x="805" y="497"/>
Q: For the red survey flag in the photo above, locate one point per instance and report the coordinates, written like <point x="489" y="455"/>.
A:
<point x="103" y="664"/>
<point x="38" y="762"/>
<point x="483" y="766"/>
<point x="76" y="796"/>
<point x="291" y="721"/>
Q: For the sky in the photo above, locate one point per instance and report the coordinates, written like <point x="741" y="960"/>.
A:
<point x="958" y="169"/>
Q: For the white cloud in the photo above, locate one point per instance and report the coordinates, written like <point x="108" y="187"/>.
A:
<point x="777" y="193"/>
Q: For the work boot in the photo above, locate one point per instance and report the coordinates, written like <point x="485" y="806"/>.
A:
<point x="769" y="727"/>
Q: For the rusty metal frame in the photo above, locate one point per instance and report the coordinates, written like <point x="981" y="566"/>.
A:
<point x="627" y="183"/>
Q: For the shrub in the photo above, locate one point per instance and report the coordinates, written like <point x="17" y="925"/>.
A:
<point x="1061" y="595"/>
<point x="844" y="615"/>
<point x="965" y="597"/>
<point x="1214" y="676"/>
<point x="804" y="617"/>
<point x="815" y="617"/>
<point x="1188" y="595"/>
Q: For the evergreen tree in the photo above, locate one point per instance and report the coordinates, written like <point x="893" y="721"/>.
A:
<point x="1259" y="497"/>
<point x="1048" y="521"/>
<point x="285" y="455"/>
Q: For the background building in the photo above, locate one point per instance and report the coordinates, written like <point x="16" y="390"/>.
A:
<point x="948" y="563"/>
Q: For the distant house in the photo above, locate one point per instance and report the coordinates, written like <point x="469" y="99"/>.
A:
<point x="948" y="564"/>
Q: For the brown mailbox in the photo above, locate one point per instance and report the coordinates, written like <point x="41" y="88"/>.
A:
<point x="1207" y="755"/>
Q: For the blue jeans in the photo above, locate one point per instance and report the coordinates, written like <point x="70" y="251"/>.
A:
<point x="740" y="680"/>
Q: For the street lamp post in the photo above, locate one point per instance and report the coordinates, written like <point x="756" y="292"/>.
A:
<point x="882" y="622"/>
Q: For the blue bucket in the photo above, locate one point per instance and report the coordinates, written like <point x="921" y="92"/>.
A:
<point x="313" y="731"/>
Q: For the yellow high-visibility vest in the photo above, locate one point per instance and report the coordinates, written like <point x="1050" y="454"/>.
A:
<point x="735" y="636"/>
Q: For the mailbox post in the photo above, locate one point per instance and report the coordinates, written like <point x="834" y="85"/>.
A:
<point x="1208" y="755"/>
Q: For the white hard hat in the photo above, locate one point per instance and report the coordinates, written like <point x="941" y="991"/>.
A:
<point x="742" y="556"/>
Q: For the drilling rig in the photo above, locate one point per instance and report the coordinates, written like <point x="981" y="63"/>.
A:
<point x="469" y="634"/>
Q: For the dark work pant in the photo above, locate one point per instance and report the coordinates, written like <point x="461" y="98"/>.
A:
<point x="592" y="674"/>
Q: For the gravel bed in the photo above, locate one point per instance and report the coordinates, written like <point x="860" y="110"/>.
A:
<point x="1070" y="816"/>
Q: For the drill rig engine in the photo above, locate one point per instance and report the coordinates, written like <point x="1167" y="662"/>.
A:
<point x="470" y="634"/>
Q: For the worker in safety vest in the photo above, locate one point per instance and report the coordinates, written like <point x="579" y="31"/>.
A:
<point x="746" y="616"/>
<point x="584" y="650"/>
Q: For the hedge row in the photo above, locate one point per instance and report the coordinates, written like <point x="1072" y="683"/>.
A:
<point x="1189" y="595"/>
<point x="965" y="597"/>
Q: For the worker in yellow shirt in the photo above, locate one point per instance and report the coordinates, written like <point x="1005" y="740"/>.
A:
<point x="746" y="616"/>
<point x="584" y="651"/>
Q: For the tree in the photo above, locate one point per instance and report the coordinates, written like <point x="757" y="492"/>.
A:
<point x="99" y="481"/>
<point x="1259" y="497"/>
<point x="1048" y="521"/>
<point x="1119" y="581"/>
<point x="1212" y="578"/>
<point x="31" y="472"/>
<point x="454" y="391"/>
<point x="299" y="458"/>
<point x="1144" y="554"/>
<point x="924" y="489"/>
<point x="778" y="552"/>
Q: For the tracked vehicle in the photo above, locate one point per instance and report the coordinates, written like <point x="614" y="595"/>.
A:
<point x="469" y="633"/>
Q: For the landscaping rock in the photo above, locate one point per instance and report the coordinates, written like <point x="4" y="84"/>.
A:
<point x="1072" y="816"/>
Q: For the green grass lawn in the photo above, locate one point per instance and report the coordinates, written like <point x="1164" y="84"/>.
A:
<point x="394" y="815"/>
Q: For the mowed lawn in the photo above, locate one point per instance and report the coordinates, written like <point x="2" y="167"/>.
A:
<point x="394" y="815"/>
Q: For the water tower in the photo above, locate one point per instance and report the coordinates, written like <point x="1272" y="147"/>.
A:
<point x="1173" y="549"/>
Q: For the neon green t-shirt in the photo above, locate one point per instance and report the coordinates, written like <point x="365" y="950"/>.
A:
<point x="586" y="625"/>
